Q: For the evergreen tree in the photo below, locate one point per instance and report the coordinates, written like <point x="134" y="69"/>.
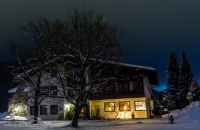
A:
<point x="17" y="104"/>
<point x="172" y="76"/>
<point x="194" y="91"/>
<point x="185" y="79"/>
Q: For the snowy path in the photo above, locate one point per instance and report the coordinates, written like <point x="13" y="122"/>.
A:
<point x="145" y="124"/>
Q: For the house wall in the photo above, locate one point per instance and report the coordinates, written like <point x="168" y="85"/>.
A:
<point x="148" y="93"/>
<point x="120" y="114"/>
<point x="147" y="87"/>
<point x="48" y="102"/>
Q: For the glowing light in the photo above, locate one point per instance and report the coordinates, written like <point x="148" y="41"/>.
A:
<point x="17" y="108"/>
<point x="109" y="108"/>
<point x="67" y="106"/>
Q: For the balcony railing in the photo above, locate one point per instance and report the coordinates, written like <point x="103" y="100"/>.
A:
<point x="116" y="94"/>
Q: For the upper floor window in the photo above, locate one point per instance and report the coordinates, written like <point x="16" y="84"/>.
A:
<point x="70" y="92"/>
<point x="138" y="86"/>
<point x="54" y="72"/>
<point x="53" y="90"/>
<point x="76" y="71"/>
<point x="44" y="90"/>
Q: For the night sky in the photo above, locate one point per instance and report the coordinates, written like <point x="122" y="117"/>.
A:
<point x="154" y="28"/>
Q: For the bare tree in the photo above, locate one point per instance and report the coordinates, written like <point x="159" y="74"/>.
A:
<point x="85" y="50"/>
<point x="33" y="62"/>
<point x="94" y="48"/>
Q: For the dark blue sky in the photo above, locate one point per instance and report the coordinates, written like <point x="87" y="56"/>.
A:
<point x="154" y="28"/>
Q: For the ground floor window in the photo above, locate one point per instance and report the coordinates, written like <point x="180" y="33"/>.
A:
<point x="140" y="106"/>
<point x="109" y="106"/>
<point x="54" y="109"/>
<point x="43" y="110"/>
<point x="32" y="110"/>
<point x="124" y="106"/>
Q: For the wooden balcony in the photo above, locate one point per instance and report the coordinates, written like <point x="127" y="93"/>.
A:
<point x="116" y="94"/>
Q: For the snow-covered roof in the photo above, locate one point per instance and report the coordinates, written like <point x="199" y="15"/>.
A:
<point x="137" y="66"/>
<point x="13" y="90"/>
<point x="145" y="69"/>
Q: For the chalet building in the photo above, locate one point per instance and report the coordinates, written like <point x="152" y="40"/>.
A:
<point x="120" y="99"/>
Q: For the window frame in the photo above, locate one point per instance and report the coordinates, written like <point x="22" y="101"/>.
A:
<point x="54" y="72"/>
<point x="111" y="108"/>
<point x="54" y="89"/>
<point x="42" y="111"/>
<point x="51" y="110"/>
<point x="32" y="107"/>
<point x="123" y="106"/>
<point x="136" y="105"/>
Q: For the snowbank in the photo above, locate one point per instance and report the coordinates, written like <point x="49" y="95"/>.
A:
<point x="3" y="115"/>
<point x="7" y="116"/>
<point x="190" y="113"/>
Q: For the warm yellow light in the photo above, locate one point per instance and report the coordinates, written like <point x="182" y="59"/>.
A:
<point x="109" y="108"/>
<point x="124" y="108"/>
<point x="67" y="106"/>
<point x="17" y="108"/>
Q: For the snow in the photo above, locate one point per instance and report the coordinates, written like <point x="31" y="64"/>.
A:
<point x="137" y="66"/>
<point x="189" y="113"/>
<point x="186" y="119"/>
<point x="7" y="116"/>
<point x="13" y="90"/>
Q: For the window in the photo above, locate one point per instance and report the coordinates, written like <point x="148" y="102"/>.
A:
<point x="32" y="110"/>
<point x="54" y="73"/>
<point x="44" y="90"/>
<point x="124" y="106"/>
<point x="53" y="90"/>
<point x="43" y="110"/>
<point x="76" y="71"/>
<point x="140" y="106"/>
<point x="126" y="87"/>
<point x="109" y="106"/>
<point x="54" y="109"/>
<point x="120" y="88"/>
<point x="70" y="92"/>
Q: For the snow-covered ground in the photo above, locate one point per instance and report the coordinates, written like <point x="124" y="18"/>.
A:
<point x="189" y="113"/>
<point x="186" y="119"/>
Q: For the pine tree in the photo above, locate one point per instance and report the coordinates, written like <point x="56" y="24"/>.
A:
<point x="194" y="91"/>
<point x="185" y="79"/>
<point x="172" y="76"/>
<point x="17" y="104"/>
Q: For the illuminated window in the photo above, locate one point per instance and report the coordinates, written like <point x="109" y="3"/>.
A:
<point x="124" y="106"/>
<point x="140" y="106"/>
<point x="109" y="106"/>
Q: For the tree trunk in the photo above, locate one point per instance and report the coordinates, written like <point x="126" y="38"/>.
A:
<point x="35" y="114"/>
<point x="76" y="116"/>
<point x="36" y="108"/>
